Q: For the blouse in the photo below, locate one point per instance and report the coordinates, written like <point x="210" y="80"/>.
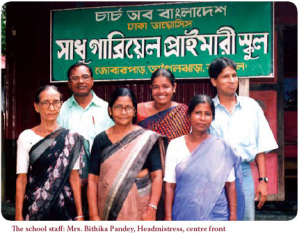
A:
<point x="101" y="142"/>
<point x="177" y="151"/>
<point x="26" y="140"/>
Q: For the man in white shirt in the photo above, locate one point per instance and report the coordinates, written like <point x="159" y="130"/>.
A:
<point x="84" y="112"/>
<point x="241" y="122"/>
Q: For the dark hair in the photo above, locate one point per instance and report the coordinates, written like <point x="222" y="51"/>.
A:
<point x="78" y="64"/>
<point x="219" y="64"/>
<point x="164" y="72"/>
<point x="121" y="92"/>
<point x="201" y="98"/>
<point x="42" y="89"/>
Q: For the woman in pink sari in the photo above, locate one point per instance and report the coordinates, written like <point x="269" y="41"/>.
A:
<point x="125" y="174"/>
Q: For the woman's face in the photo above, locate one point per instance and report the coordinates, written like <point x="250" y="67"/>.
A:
<point x="49" y="105"/>
<point x="122" y="111"/>
<point x="201" y="117"/>
<point x="162" y="90"/>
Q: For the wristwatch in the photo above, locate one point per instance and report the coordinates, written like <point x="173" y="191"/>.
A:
<point x="264" y="179"/>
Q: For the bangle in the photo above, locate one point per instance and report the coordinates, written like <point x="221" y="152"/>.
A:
<point x="80" y="216"/>
<point x="153" y="206"/>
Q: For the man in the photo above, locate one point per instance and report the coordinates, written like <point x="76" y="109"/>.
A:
<point x="84" y="112"/>
<point x="241" y="121"/>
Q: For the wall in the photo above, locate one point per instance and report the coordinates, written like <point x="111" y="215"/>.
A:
<point x="28" y="67"/>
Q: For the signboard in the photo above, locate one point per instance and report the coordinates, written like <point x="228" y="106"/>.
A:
<point x="131" y="42"/>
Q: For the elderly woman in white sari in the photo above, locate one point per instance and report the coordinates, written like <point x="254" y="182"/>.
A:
<point x="50" y="164"/>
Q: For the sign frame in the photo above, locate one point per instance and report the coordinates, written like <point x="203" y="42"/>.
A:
<point x="272" y="62"/>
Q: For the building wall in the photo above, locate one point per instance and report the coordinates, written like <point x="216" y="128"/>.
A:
<point x="28" y="67"/>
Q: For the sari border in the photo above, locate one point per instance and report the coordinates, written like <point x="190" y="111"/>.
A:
<point x="110" y="150"/>
<point x="45" y="138"/>
<point x="125" y="171"/>
<point x="157" y="116"/>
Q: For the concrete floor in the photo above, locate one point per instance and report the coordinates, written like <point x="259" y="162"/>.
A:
<point x="288" y="212"/>
<point x="276" y="210"/>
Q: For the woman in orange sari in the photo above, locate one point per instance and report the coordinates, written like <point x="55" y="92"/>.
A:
<point x="163" y="115"/>
<point x="125" y="174"/>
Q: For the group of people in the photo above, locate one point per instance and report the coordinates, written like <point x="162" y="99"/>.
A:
<point x="158" y="160"/>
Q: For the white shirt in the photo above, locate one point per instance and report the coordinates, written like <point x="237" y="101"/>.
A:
<point x="177" y="151"/>
<point x="88" y="122"/>
<point x="246" y="128"/>
<point x="26" y="140"/>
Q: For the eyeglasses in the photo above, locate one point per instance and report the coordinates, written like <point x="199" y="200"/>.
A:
<point x="46" y="104"/>
<point x="76" y="78"/>
<point x="119" y="108"/>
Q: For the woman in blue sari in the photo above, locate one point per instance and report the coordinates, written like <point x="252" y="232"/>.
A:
<point x="202" y="172"/>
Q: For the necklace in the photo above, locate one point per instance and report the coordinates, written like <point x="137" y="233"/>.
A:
<point x="125" y="145"/>
<point x="159" y="116"/>
<point x="157" y="111"/>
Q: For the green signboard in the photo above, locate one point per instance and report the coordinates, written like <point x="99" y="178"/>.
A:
<point x="130" y="42"/>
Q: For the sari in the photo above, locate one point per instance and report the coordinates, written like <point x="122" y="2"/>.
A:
<point x="48" y="194"/>
<point x="200" y="183"/>
<point x="121" y="195"/>
<point x="171" y="123"/>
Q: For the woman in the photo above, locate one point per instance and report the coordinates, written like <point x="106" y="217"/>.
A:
<point x="163" y="115"/>
<point x="125" y="173"/>
<point x="202" y="172"/>
<point x="49" y="161"/>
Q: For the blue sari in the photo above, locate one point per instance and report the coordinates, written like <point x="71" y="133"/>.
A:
<point x="200" y="183"/>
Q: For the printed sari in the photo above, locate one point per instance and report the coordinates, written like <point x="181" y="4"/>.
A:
<point x="171" y="123"/>
<point x="121" y="195"/>
<point x="200" y="183"/>
<point x="48" y="194"/>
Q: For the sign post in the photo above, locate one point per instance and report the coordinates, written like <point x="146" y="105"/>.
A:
<point x="129" y="43"/>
